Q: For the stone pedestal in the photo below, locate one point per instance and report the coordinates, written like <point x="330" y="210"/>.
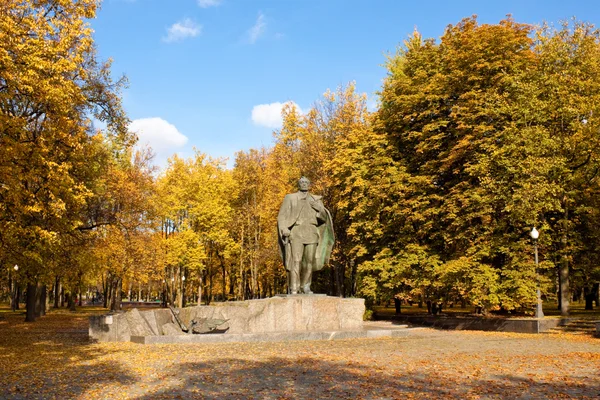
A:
<point x="288" y="313"/>
<point x="293" y="313"/>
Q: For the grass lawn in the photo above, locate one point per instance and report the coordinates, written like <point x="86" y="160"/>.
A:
<point x="53" y="358"/>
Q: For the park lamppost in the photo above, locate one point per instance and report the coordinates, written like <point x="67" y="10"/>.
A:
<point x="15" y="294"/>
<point x="539" y="313"/>
<point x="183" y="291"/>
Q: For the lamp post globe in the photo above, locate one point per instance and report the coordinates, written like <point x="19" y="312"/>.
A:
<point x="534" y="234"/>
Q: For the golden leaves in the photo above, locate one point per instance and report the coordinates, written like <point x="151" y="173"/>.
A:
<point x="51" y="85"/>
<point x="53" y="358"/>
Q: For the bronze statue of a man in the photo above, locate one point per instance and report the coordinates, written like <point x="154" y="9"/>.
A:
<point x="305" y="236"/>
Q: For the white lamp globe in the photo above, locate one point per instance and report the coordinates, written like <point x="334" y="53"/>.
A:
<point x="534" y="234"/>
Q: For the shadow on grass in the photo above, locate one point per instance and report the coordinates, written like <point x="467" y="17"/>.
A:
<point x="308" y="378"/>
<point x="52" y="358"/>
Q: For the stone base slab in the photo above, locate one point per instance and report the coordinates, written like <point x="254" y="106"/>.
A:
<point x="520" y="325"/>
<point x="366" y="333"/>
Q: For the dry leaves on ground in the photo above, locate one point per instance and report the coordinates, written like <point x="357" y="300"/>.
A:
<point x="53" y="358"/>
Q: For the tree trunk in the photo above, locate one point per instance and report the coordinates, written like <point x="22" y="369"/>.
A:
<point x="70" y="299"/>
<point x="106" y="291"/>
<point x="564" y="287"/>
<point x="241" y="282"/>
<point x="178" y="283"/>
<point x="559" y="300"/>
<point x="10" y="290"/>
<point x="352" y="278"/>
<point x="224" y="291"/>
<point x="73" y="300"/>
<point x="56" y="292"/>
<point x="183" y="291"/>
<point x="170" y="283"/>
<point x="397" y="305"/>
<point x="115" y="304"/>
<point x="589" y="299"/>
<point x="252" y="278"/>
<point x="231" y="281"/>
<point x="30" y="302"/>
<point x="43" y="300"/>
<point x="339" y="279"/>
<point x="15" y="296"/>
<point x="565" y="296"/>
<point x="209" y="296"/>
<point x="200" y="293"/>
<point x="590" y="293"/>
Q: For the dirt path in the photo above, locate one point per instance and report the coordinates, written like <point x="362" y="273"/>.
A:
<point x="53" y="359"/>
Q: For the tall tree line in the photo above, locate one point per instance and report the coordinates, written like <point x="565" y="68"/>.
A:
<point x="476" y="139"/>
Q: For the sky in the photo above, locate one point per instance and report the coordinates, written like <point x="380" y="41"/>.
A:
<point x="213" y="74"/>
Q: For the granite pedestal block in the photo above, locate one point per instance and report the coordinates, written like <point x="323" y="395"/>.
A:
<point x="280" y="314"/>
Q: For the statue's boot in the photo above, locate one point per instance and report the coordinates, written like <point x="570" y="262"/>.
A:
<point x="306" y="289"/>
<point x="307" y="279"/>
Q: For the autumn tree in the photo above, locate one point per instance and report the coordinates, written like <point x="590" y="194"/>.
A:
<point x="444" y="107"/>
<point x="51" y="83"/>
<point x="194" y="198"/>
<point x="483" y="136"/>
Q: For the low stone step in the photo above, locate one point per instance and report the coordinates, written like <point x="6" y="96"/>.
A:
<point x="572" y="329"/>
<point x="366" y="333"/>
<point x="580" y="325"/>
<point x="575" y="328"/>
<point x="582" y="322"/>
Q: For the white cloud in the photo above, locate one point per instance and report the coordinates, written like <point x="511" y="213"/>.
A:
<point x="258" y="29"/>
<point x="160" y="135"/>
<point x="269" y="115"/>
<point x="209" y="3"/>
<point x="181" y="30"/>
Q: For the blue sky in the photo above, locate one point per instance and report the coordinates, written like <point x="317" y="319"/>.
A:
<point x="212" y="74"/>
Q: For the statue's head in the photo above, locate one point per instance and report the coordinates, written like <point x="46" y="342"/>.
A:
<point x="304" y="184"/>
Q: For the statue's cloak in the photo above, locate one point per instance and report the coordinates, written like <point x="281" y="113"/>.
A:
<point x="288" y="215"/>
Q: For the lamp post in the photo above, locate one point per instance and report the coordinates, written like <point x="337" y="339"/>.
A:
<point x="183" y="291"/>
<point x="539" y="313"/>
<point x="15" y="301"/>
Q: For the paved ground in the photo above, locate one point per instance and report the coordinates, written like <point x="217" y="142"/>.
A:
<point x="52" y="358"/>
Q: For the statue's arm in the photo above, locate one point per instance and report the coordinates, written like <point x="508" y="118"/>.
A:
<point x="320" y="209"/>
<point x="283" y="216"/>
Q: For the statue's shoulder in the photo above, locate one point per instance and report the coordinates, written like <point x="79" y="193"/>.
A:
<point x="289" y="197"/>
<point x="317" y="197"/>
